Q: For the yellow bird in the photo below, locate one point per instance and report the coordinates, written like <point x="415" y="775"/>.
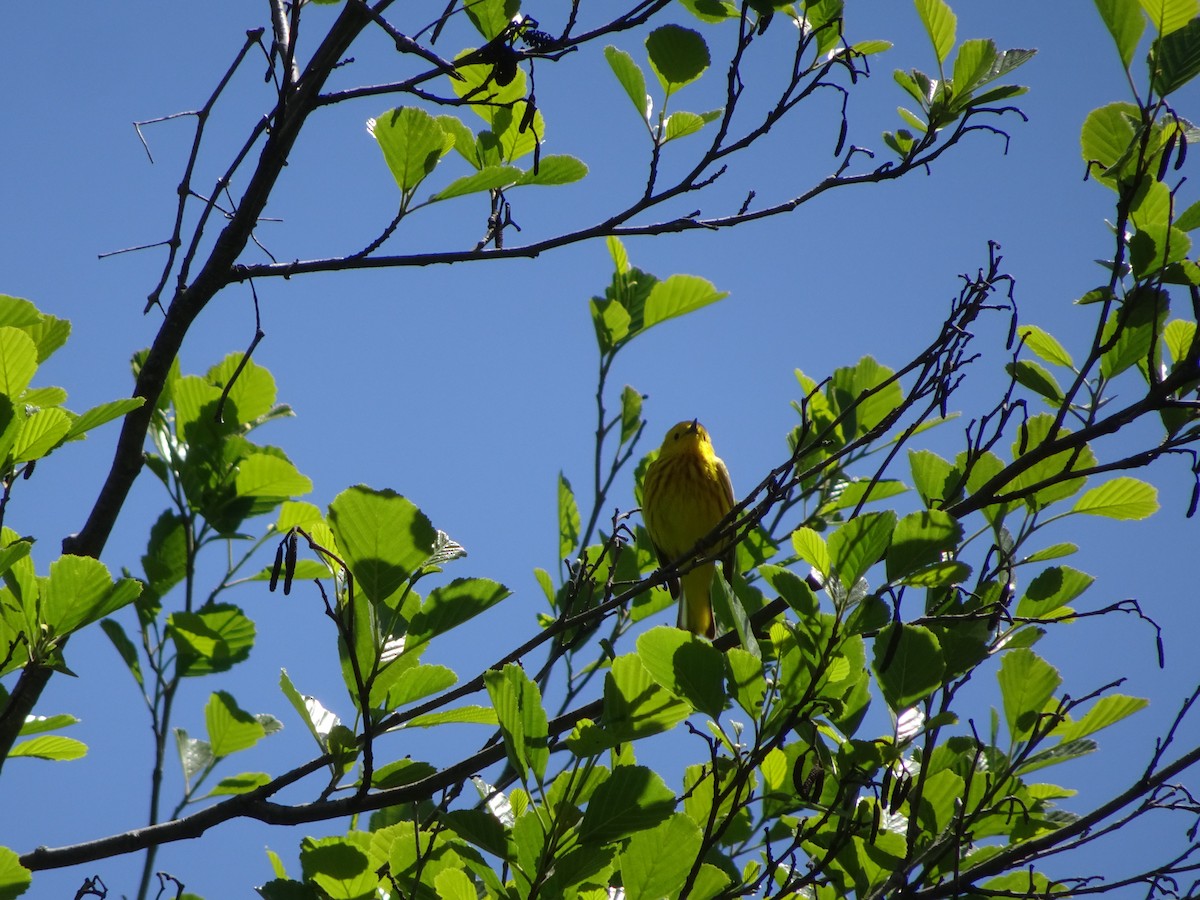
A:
<point x="685" y="493"/>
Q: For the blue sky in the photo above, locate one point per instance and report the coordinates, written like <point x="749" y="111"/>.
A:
<point x="469" y="387"/>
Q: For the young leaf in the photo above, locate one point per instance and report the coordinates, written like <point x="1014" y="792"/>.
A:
<point x="488" y="178"/>
<point x="635" y="705"/>
<point x="212" y="640"/>
<point x="678" y="296"/>
<point x="811" y="548"/>
<point x="940" y="24"/>
<point x="99" y="415"/>
<point x="522" y="719"/>
<point x="1051" y="590"/>
<point x="450" y="605"/>
<point x="1124" y="22"/>
<point x="1170" y="15"/>
<point x="51" y="747"/>
<point x="1045" y="345"/>
<point x="1121" y="498"/>
<point x="1106" y="711"/>
<point x="919" y="540"/>
<point x="80" y="591"/>
<point x="230" y="728"/>
<point x="382" y="536"/>
<point x="555" y="169"/>
<point x="859" y="544"/>
<point x="1027" y="682"/>
<point x="124" y="646"/>
<point x="686" y="665"/>
<point x="568" y="519"/>
<point x="630" y="75"/>
<point x="18" y="361"/>
<point x="412" y="142"/>
<point x="14" y="877"/>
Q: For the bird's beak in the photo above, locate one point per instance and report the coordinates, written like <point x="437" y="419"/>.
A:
<point x="695" y="426"/>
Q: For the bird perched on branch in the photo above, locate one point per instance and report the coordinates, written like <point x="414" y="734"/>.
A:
<point x="685" y="494"/>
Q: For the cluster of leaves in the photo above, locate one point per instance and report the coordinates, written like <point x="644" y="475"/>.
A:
<point x="39" y="612"/>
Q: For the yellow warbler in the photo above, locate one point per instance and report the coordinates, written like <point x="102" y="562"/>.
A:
<point x="686" y="492"/>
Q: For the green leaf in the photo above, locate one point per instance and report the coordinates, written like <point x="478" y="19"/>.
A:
<point x="14" y="877"/>
<point x="792" y="588"/>
<point x="1037" y="378"/>
<point x="686" y="665"/>
<point x="1170" y="15"/>
<point x="251" y="391"/>
<point x="340" y="866"/>
<point x="1106" y="139"/>
<point x="80" y="591"/>
<point x="631" y="413"/>
<point x="936" y="480"/>
<point x="99" y="415"/>
<point x="919" y="540"/>
<point x="811" y="548"/>
<point x="410" y="684"/>
<point x="50" y="746"/>
<point x="449" y="606"/>
<point x="1045" y="345"/>
<point x="269" y="477"/>
<point x="230" y="728"/>
<point x="212" y="640"/>
<point x="44" y="430"/>
<point x="522" y="718"/>
<point x="471" y="715"/>
<point x="165" y="562"/>
<point x="555" y="169"/>
<point x="568" y="519"/>
<point x="1121" y="498"/>
<point x="859" y="544"/>
<point x="908" y="664"/>
<point x="631" y="799"/>
<point x="1027" y="682"/>
<point x="635" y="705"/>
<point x="1051" y="590"/>
<point x="1032" y="434"/>
<point x="747" y="685"/>
<point x="1135" y="325"/>
<point x="973" y="65"/>
<point x="492" y="16"/>
<point x="678" y="56"/>
<point x="1124" y="22"/>
<point x="648" y="871"/>
<point x="125" y="647"/>
<point x="42" y="724"/>
<point x="678" y="296"/>
<point x="1106" y="711"/>
<point x="1054" y="551"/>
<point x="486" y="179"/>
<point x="412" y="142"/>
<point x="18" y="361"/>
<point x="940" y="24"/>
<point x="240" y="784"/>
<point x="382" y="536"/>
<point x="681" y="124"/>
<point x="1175" y="58"/>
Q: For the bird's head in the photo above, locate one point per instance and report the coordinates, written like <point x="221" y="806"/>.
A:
<point x="686" y="437"/>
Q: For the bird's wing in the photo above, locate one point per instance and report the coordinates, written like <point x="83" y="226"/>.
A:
<point x="729" y="559"/>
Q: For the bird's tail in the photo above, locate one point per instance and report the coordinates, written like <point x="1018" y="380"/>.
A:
<point x="695" y="604"/>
